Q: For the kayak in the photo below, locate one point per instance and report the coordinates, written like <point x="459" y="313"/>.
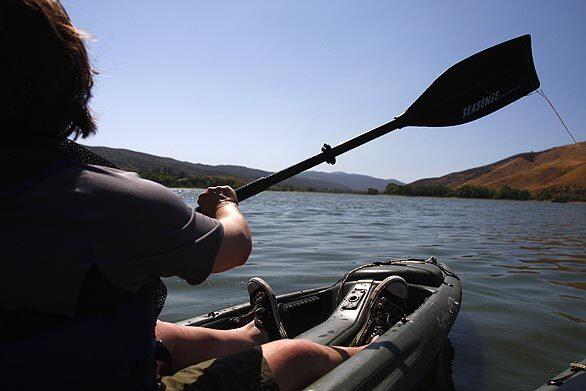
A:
<point x="573" y="378"/>
<point x="332" y="315"/>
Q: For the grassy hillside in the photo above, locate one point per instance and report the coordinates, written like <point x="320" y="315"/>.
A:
<point x="562" y="168"/>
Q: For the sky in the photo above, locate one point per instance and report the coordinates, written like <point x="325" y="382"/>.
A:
<point x="264" y="84"/>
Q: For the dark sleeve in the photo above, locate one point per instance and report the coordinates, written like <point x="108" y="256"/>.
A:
<point x="154" y="234"/>
<point x="194" y="261"/>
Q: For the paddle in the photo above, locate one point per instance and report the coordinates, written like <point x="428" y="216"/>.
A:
<point x="471" y="89"/>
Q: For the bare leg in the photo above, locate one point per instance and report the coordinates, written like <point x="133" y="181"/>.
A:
<point x="192" y="345"/>
<point x="297" y="363"/>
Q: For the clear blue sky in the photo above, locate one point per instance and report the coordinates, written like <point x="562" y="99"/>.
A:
<point x="264" y="83"/>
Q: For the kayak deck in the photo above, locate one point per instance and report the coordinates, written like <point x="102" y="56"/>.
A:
<point x="332" y="315"/>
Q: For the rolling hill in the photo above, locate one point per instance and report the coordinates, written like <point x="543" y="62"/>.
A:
<point x="559" y="167"/>
<point x="323" y="181"/>
<point x="353" y="181"/>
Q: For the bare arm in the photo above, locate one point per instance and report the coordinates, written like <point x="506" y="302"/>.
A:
<point x="221" y="203"/>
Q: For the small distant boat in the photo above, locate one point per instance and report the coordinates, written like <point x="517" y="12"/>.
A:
<point x="332" y="315"/>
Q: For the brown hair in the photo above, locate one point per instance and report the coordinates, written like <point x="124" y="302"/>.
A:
<point x="45" y="73"/>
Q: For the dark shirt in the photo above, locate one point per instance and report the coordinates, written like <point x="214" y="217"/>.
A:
<point x="90" y="220"/>
<point x="132" y="230"/>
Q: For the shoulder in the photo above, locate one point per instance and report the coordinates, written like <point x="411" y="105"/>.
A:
<point x="125" y="192"/>
<point x="113" y="182"/>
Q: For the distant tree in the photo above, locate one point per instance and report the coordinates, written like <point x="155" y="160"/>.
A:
<point x="428" y="190"/>
<point x="562" y="193"/>
<point x="393" y="188"/>
<point x="372" y="191"/>
<point x="418" y="190"/>
<point x="505" y="192"/>
<point x="509" y="193"/>
<point x="524" y="195"/>
<point x="470" y="191"/>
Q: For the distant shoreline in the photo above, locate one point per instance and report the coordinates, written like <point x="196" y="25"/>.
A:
<point x="364" y="193"/>
<point x="550" y="175"/>
<point x="559" y="194"/>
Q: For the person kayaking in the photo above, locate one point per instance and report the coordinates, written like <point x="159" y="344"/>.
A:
<point x="86" y="245"/>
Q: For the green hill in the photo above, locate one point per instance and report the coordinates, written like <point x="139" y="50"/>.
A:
<point x="172" y="172"/>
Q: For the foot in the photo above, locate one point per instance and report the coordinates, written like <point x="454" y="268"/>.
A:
<point x="386" y="307"/>
<point x="263" y="304"/>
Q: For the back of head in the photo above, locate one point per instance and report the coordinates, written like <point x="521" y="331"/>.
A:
<point x="45" y="73"/>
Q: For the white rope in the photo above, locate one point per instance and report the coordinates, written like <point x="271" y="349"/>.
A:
<point x="540" y="92"/>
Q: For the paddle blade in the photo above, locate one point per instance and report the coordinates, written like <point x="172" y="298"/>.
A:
<point x="477" y="86"/>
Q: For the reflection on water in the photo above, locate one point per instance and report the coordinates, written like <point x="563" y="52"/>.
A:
<point x="570" y="317"/>
<point x="522" y="264"/>
<point x="440" y="375"/>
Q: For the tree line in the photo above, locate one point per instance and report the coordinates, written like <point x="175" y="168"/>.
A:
<point x="170" y="180"/>
<point x="559" y="194"/>
<point x="555" y="194"/>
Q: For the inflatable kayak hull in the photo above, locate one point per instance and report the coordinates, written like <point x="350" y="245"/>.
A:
<point x="333" y="314"/>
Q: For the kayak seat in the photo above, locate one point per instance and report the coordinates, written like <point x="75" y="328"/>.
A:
<point x="343" y="324"/>
<point x="427" y="274"/>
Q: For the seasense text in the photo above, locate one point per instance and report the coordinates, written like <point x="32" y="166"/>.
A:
<point x="474" y="107"/>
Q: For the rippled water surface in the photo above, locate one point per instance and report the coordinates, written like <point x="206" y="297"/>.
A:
<point x="522" y="265"/>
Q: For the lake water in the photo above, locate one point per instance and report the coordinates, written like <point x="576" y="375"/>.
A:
<point x="522" y="265"/>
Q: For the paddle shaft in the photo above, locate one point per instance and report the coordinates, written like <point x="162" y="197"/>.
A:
<point x="329" y="154"/>
<point x="468" y="90"/>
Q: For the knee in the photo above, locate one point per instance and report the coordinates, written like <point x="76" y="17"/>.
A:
<point x="302" y="347"/>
